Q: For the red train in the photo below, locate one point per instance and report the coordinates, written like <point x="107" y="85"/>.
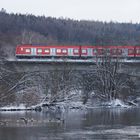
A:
<point x="31" y="51"/>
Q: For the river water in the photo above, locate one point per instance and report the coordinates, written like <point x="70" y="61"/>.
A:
<point x="99" y="123"/>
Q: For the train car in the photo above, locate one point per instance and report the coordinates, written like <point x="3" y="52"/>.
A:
<point x="101" y="51"/>
<point x="129" y="52"/>
<point x="78" y="52"/>
<point x="29" y="51"/>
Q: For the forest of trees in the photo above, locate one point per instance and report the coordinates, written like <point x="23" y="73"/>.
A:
<point x="29" y="29"/>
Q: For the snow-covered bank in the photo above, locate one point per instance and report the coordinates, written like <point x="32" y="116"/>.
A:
<point x="117" y="103"/>
<point x="66" y="105"/>
<point x="121" y="104"/>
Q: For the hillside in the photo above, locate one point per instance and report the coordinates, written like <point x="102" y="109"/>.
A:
<point x="29" y="29"/>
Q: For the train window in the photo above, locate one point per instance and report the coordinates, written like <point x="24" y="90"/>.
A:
<point x="138" y="51"/>
<point x="84" y="51"/>
<point x="58" y="50"/>
<point x="131" y="51"/>
<point x="94" y="50"/>
<point x="21" y="49"/>
<point x="100" y="51"/>
<point x="27" y="50"/>
<point x="64" y="51"/>
<point x="47" y="50"/>
<point x="119" y="51"/>
<point x="114" y="51"/>
<point x="39" y="50"/>
<point x="76" y="51"/>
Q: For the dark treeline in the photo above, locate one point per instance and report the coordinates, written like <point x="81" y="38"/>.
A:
<point x="17" y="28"/>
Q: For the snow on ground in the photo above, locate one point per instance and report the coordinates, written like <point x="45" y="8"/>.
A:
<point x="11" y="107"/>
<point x="117" y="103"/>
<point x="65" y="105"/>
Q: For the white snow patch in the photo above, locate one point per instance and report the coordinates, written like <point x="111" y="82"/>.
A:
<point x="117" y="103"/>
<point x="10" y="107"/>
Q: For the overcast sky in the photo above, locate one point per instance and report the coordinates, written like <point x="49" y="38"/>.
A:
<point x="103" y="10"/>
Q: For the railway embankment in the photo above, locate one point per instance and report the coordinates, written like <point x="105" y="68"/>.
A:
<point x="29" y="87"/>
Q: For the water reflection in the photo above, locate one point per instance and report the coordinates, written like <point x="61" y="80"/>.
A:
<point x="99" y="123"/>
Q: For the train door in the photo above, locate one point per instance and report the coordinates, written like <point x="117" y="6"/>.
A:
<point x="33" y="51"/>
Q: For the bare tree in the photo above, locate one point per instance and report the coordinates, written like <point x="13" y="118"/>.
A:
<point x="110" y="80"/>
<point x="31" y="37"/>
<point x="59" y="84"/>
<point x="27" y="37"/>
<point x="14" y="85"/>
